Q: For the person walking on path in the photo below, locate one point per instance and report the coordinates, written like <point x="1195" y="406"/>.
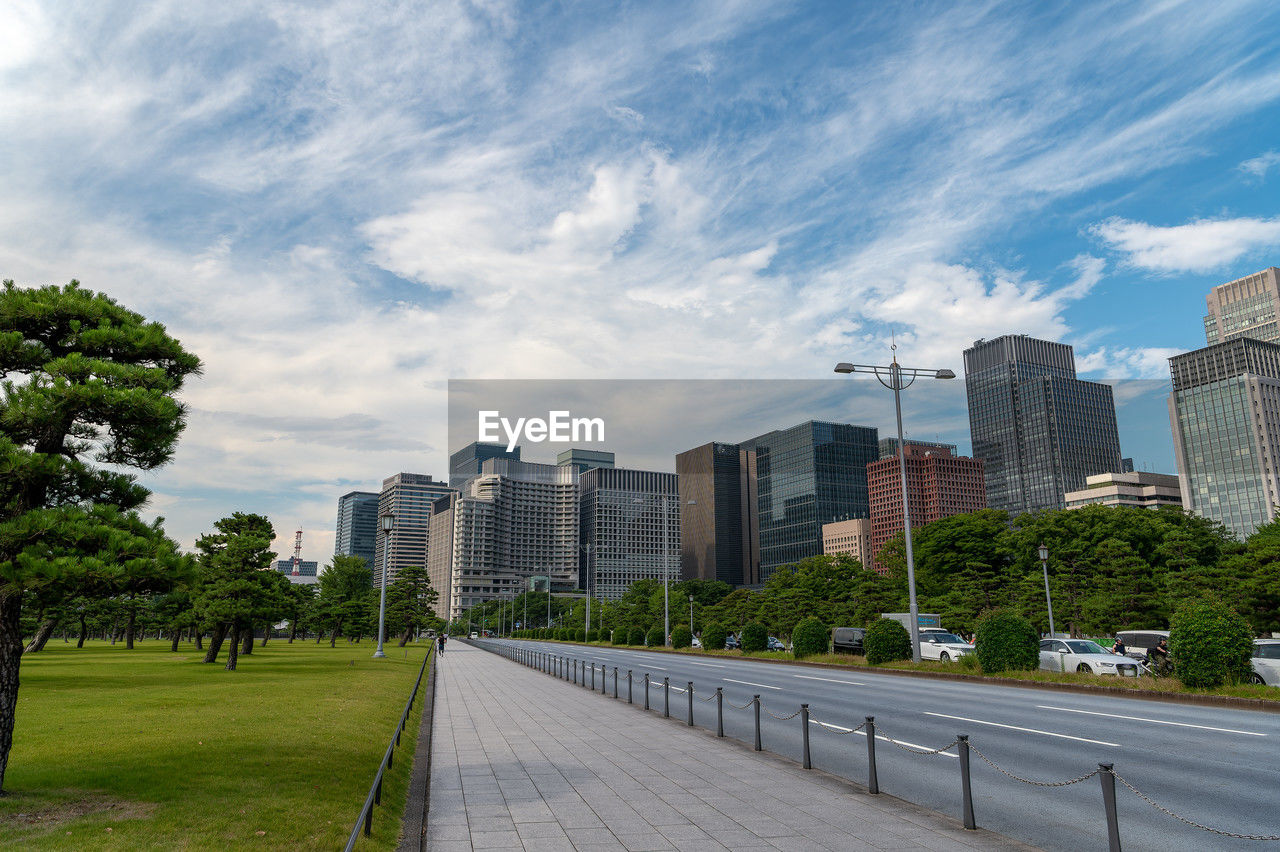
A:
<point x="440" y="643"/>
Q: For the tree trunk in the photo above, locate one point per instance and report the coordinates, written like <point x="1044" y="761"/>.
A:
<point x="131" y="626"/>
<point x="248" y="641"/>
<point x="215" y="642"/>
<point x="234" y="647"/>
<point x="266" y="634"/>
<point x="199" y="639"/>
<point x="333" y="638"/>
<point x="293" y="630"/>
<point x="404" y="637"/>
<point x="10" y="657"/>
<point x="173" y="640"/>
<point x="43" y="632"/>
<point x="84" y="631"/>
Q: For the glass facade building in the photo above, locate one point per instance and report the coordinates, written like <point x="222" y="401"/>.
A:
<point x="719" y="527"/>
<point x="807" y="476"/>
<point x="1225" y="414"/>
<point x="621" y="517"/>
<point x="467" y="462"/>
<point x="357" y="529"/>
<point x="1039" y="431"/>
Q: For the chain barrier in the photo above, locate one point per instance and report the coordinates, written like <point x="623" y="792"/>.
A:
<point x="1192" y="823"/>
<point x="1004" y="771"/>
<point x="913" y="750"/>
<point x="711" y="697"/>
<point x="840" y="730"/>
<point x="780" y="718"/>
<point x="740" y="706"/>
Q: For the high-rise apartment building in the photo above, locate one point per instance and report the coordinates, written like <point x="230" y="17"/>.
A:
<point x="1245" y="307"/>
<point x="1039" y="431"/>
<point x="622" y="521"/>
<point x="408" y="496"/>
<point x="719" y="526"/>
<point x="939" y="484"/>
<point x="852" y="537"/>
<point x="1225" y="415"/>
<point x="440" y="552"/>
<point x="808" y="475"/>
<point x="513" y="522"/>
<point x="357" y="529"/>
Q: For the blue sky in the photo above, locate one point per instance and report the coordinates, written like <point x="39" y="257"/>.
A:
<point x="339" y="207"/>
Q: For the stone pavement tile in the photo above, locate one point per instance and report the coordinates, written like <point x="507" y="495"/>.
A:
<point x="495" y="839"/>
<point x="451" y="846"/>
<point x="530" y="830"/>
<point x="546" y="844"/>
<point x="453" y="831"/>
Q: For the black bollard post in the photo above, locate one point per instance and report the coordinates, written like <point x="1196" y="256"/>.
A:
<point x="1109" y="802"/>
<point x="689" y="695"/>
<point x="873" y="783"/>
<point x="666" y="698"/>
<point x="804" y="738"/>
<point x="965" y="789"/>
<point x="646" y="690"/>
<point x="719" y="711"/>
<point x="756" y="699"/>
<point x="615" y="681"/>
<point x="593" y="677"/>
<point x="629" y="686"/>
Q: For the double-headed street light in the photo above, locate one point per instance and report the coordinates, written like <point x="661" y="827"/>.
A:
<point x="898" y="378"/>
<point x="1044" y="566"/>
<point x="388" y="522"/>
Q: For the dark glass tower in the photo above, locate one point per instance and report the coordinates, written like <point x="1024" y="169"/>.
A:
<point x="1038" y="429"/>
<point x="809" y="475"/>
<point x="357" y="530"/>
<point x="719" y="537"/>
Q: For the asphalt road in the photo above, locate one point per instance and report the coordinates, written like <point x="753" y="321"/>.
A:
<point x="1212" y="765"/>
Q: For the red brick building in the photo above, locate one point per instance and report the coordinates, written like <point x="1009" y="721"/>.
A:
<point x="939" y="484"/>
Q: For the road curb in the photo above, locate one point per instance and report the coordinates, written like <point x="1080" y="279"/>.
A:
<point x="1083" y="689"/>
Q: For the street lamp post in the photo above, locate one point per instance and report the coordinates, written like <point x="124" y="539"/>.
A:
<point x="388" y="522"/>
<point x="587" y="548"/>
<point x="690" y="613"/>
<point x="1044" y="566"/>
<point x="900" y="378"/>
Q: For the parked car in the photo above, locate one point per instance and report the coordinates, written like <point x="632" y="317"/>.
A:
<point x="1138" y="643"/>
<point x="1087" y="657"/>
<point x="848" y="640"/>
<point x="1266" y="662"/>
<point x="775" y="644"/>
<point x="943" y="646"/>
<point x="731" y="643"/>
<point x="696" y="643"/>
<point x="474" y="635"/>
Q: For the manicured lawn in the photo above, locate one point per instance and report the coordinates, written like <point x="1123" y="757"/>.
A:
<point x="152" y="749"/>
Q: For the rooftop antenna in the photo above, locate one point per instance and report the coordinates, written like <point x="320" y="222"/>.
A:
<point x="297" y="554"/>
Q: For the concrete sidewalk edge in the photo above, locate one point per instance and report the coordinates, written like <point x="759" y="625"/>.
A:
<point x="413" y="830"/>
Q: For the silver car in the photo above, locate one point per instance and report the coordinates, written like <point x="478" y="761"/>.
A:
<point x="1266" y="662"/>
<point x="1085" y="656"/>
<point x="939" y="645"/>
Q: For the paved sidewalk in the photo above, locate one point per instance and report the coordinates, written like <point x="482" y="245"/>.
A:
<point x="521" y="760"/>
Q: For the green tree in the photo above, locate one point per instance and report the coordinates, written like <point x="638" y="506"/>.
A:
<point x="681" y="636"/>
<point x="1005" y="641"/>
<point x="411" y="603"/>
<point x="755" y="637"/>
<point x="811" y="636"/>
<point x="1210" y="645"/>
<point x="239" y="586"/>
<point x="886" y="640"/>
<point x="346" y="594"/>
<point x="88" y="393"/>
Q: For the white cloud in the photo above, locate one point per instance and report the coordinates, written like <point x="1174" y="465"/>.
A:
<point x="1139" y="362"/>
<point x="1259" y="166"/>
<point x="1199" y="246"/>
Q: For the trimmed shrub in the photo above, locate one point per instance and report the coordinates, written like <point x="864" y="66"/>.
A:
<point x="1006" y="642"/>
<point x="810" y="637"/>
<point x="754" y="637"/>
<point x="713" y="636"/>
<point x="681" y="636"/>
<point x="635" y="636"/>
<point x="593" y="635"/>
<point x="886" y="640"/>
<point x="620" y="636"/>
<point x="654" y="638"/>
<point x="579" y="635"/>
<point x="1210" y="644"/>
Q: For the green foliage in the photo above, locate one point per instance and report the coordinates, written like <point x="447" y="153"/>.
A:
<point x="810" y="637"/>
<point x="654" y="638"/>
<point x="346" y="601"/>
<point x="579" y="635"/>
<point x="1211" y="644"/>
<point x="713" y="636"/>
<point x="1005" y="641"/>
<point x="681" y="636"/>
<point x="635" y="636"/>
<point x="886" y="640"/>
<point x="411" y="603"/>
<point x="593" y="635"/>
<point x="754" y="637"/>
<point x="238" y="587"/>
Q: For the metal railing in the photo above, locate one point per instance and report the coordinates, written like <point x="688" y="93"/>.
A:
<point x="365" y="819"/>
<point x="552" y="663"/>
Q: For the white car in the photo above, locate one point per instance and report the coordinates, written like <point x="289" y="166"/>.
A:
<point x="1087" y="657"/>
<point x="942" y="646"/>
<point x="1266" y="662"/>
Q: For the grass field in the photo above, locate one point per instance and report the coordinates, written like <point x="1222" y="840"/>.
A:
<point x="149" y="749"/>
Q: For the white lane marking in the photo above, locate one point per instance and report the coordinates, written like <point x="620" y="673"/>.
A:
<point x="832" y="727"/>
<point x="1152" y="721"/>
<point x="709" y="665"/>
<point x="749" y="683"/>
<point x="1027" y="730"/>
<point x="832" y="680"/>
<point x="885" y="739"/>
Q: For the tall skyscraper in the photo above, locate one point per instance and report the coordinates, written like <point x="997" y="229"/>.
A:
<point x="408" y="496"/>
<point x="621" y="516"/>
<point x="585" y="460"/>
<point x="357" y="529"/>
<point x="939" y="484"/>
<point x="809" y="475"/>
<point x="719" y="525"/>
<point x="513" y="522"/>
<point x="1245" y="307"/>
<point x="1225" y="415"/>
<point x="1038" y="430"/>
<point x="466" y="462"/>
